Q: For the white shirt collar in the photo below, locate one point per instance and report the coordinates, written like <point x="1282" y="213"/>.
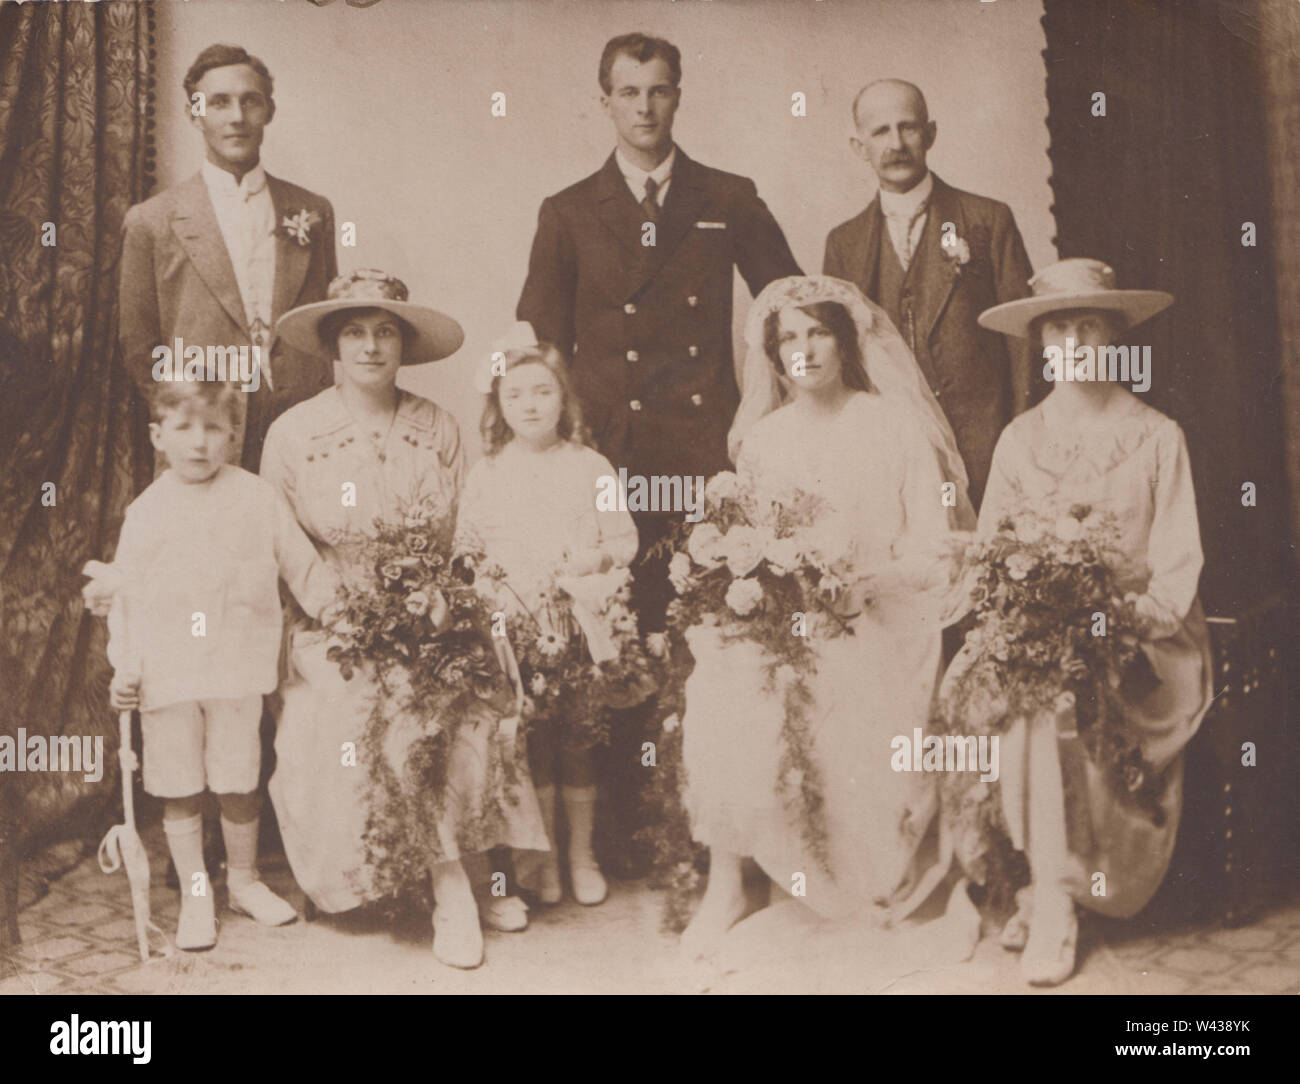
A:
<point x="636" y="176"/>
<point x="905" y="204"/>
<point x="221" y="183"/>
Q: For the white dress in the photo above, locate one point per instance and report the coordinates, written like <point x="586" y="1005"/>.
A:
<point x="883" y="495"/>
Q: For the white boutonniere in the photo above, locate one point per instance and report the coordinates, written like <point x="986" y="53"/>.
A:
<point x="298" y="226"/>
<point x="957" y="251"/>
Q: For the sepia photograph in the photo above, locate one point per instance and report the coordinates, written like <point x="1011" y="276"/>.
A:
<point x="656" y="497"/>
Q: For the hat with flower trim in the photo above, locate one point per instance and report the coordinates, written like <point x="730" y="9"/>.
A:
<point x="437" y="335"/>
<point x="1076" y="283"/>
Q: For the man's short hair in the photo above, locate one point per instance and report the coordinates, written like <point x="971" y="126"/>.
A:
<point x="642" y="48"/>
<point x="925" y="107"/>
<point x="222" y="56"/>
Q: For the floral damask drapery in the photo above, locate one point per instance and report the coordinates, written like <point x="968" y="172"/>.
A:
<point x="75" y="113"/>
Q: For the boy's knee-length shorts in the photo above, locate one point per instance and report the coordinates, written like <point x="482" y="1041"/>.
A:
<point x="202" y="744"/>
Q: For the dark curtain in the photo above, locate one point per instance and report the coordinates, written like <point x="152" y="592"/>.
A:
<point x="1159" y="188"/>
<point x="1201" y="99"/>
<point x="75" y="119"/>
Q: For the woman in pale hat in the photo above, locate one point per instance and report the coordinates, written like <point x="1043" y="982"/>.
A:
<point x="1092" y="448"/>
<point x="361" y="451"/>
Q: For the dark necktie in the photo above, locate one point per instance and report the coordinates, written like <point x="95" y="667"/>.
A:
<point x="649" y="204"/>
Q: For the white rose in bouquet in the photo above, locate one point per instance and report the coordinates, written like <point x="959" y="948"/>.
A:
<point x="782" y="554"/>
<point x="1029" y="529"/>
<point x="744" y="596"/>
<point x="679" y="572"/>
<point x="723" y="486"/>
<point x="1068" y="529"/>
<point x="705" y="546"/>
<point x="743" y="547"/>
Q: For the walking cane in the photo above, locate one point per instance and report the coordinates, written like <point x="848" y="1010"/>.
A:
<point x="122" y="846"/>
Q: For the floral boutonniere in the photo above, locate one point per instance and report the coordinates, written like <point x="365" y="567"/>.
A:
<point x="957" y="251"/>
<point x="298" y="226"/>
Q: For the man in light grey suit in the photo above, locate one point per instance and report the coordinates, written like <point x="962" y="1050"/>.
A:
<point x="216" y="259"/>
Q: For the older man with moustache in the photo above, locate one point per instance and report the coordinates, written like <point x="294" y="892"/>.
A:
<point x="934" y="257"/>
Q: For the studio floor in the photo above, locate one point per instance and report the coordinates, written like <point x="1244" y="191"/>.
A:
<point x="78" y="937"/>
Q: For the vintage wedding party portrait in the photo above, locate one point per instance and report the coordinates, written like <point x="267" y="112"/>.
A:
<point x="650" y="496"/>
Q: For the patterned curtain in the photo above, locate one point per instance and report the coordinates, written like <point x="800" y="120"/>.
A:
<point x="75" y="120"/>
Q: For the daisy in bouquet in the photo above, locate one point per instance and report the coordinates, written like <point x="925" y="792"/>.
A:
<point x="417" y="628"/>
<point x="1051" y="631"/>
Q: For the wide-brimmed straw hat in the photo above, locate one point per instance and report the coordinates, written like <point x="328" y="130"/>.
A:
<point x="1077" y="283"/>
<point x="437" y="335"/>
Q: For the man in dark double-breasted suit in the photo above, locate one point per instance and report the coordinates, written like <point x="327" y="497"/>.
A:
<point x="631" y="276"/>
<point x="935" y="257"/>
<point x="215" y="260"/>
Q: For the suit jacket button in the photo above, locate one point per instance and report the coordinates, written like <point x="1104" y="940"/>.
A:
<point x="632" y="355"/>
<point x="630" y="309"/>
<point x="692" y="301"/>
<point x="694" y="351"/>
<point x="635" y="404"/>
<point x="697" y="399"/>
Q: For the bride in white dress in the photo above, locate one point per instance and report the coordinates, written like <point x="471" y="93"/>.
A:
<point x="860" y="431"/>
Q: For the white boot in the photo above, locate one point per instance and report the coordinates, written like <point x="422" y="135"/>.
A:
<point x="589" y="887"/>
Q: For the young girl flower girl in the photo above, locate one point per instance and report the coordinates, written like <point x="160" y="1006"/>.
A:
<point x="529" y="510"/>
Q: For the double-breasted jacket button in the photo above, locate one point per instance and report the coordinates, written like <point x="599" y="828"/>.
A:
<point x="310" y="457"/>
<point x="692" y="301"/>
<point x="635" y="404"/>
<point x="697" y="399"/>
<point x="632" y="355"/>
<point x="630" y="309"/>
<point x="694" y="351"/>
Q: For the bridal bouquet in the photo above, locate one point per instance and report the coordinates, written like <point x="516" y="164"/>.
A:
<point x="1051" y="632"/>
<point x="577" y="648"/>
<point x="423" y="634"/>
<point x="763" y="572"/>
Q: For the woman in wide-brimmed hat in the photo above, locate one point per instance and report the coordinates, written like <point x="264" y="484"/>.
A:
<point x="1092" y="451"/>
<point x="361" y="451"/>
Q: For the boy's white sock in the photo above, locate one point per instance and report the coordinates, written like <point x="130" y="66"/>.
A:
<point x="580" y="810"/>
<point x="185" y="840"/>
<point x="247" y="893"/>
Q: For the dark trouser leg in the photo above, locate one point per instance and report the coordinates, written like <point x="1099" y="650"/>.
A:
<point x="623" y="778"/>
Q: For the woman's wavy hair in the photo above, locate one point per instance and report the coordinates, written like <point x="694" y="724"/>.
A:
<point x="839" y="322"/>
<point x="497" y="434"/>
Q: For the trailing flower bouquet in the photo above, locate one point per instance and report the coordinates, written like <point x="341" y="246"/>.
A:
<point x="766" y="574"/>
<point x="1052" y="632"/>
<point x="425" y="636"/>
<point x="577" y="648"/>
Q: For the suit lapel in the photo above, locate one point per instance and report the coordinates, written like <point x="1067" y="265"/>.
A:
<point x="869" y="257"/>
<point x="686" y="198"/>
<point x="620" y="213"/>
<point x="291" y="258"/>
<point x="194" y="223"/>
<point x="937" y="280"/>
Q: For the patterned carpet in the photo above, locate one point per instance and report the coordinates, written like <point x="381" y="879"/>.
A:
<point x="79" y="937"/>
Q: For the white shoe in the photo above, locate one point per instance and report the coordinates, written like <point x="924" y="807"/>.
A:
<point x="509" y="914"/>
<point x="1016" y="932"/>
<point x="261" y="904"/>
<point x="589" y="885"/>
<point x="1049" y="956"/>
<point x="457" y="938"/>
<point x="196" y="929"/>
